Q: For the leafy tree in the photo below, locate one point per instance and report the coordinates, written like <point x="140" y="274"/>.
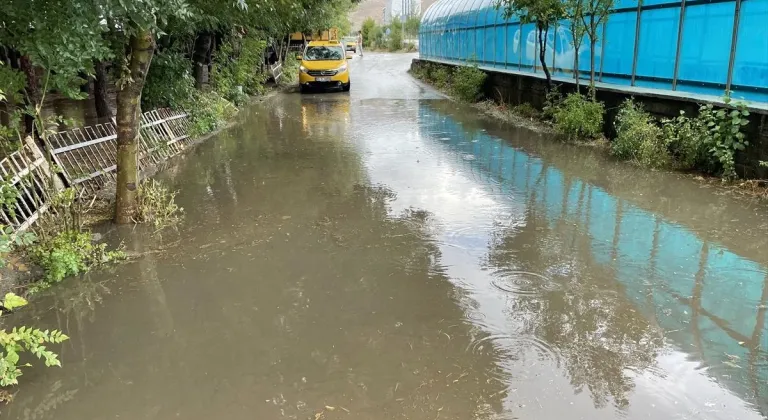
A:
<point x="575" y="11"/>
<point x="60" y="36"/>
<point x="412" y="26"/>
<point x="594" y="14"/>
<point x="368" y="28"/>
<point x="542" y="13"/>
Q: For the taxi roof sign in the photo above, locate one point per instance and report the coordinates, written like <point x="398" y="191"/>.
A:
<point x="333" y="34"/>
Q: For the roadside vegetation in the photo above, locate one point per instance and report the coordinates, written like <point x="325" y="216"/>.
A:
<point x="707" y="142"/>
<point x="401" y="37"/>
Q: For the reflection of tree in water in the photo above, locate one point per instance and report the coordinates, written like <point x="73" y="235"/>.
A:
<point x="596" y="332"/>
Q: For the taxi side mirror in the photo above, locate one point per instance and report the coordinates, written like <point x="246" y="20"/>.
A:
<point x="298" y="56"/>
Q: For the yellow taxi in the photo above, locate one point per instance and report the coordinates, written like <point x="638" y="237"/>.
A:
<point x="350" y="43"/>
<point x="324" y="65"/>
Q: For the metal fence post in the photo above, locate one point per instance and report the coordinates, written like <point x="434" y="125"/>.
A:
<point x="637" y="40"/>
<point x="734" y="40"/>
<point x="602" y="48"/>
<point x="506" y="40"/>
<point x="520" y="48"/>
<point x="679" y="44"/>
<point x="554" y="47"/>
<point x="535" y="48"/>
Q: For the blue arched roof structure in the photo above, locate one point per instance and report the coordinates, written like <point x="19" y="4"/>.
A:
<point x="660" y="44"/>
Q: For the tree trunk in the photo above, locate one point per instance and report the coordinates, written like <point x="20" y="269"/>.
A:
<point x="128" y="124"/>
<point x="85" y="87"/>
<point x="576" y="69"/>
<point x="32" y="90"/>
<point x="100" y="93"/>
<point x="200" y="58"/>
<point x="543" y="31"/>
<point x="592" y="42"/>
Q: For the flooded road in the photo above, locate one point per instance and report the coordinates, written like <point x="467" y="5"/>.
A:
<point x="389" y="254"/>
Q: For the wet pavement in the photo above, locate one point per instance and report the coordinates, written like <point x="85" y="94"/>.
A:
<point x="389" y="254"/>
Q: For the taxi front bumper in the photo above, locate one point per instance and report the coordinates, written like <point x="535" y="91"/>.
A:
<point x="323" y="78"/>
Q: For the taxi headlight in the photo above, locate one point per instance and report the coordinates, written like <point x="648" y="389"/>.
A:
<point x="342" y="69"/>
<point x="302" y="69"/>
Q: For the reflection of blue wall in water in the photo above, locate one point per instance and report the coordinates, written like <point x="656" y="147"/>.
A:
<point x="461" y="30"/>
<point x="658" y="262"/>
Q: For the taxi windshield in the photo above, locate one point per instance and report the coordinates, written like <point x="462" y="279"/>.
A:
<point x="323" y="53"/>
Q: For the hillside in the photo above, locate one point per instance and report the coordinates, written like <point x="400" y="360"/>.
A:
<point x="374" y="9"/>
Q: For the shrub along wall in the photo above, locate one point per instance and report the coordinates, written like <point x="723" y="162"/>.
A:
<point x="514" y="89"/>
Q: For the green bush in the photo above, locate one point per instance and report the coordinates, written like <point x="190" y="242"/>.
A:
<point x="208" y="111"/>
<point x="236" y="70"/>
<point x="169" y="82"/>
<point x="725" y="136"/>
<point x="369" y="29"/>
<point x="467" y="83"/>
<point x="579" y="117"/>
<point x="290" y="71"/>
<point x="70" y="253"/>
<point x="552" y="102"/>
<point x="686" y="140"/>
<point x="441" y="76"/>
<point x="395" y="41"/>
<point x="638" y="138"/>
<point x="710" y="141"/>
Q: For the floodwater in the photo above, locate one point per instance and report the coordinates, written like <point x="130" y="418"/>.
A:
<point x="389" y="254"/>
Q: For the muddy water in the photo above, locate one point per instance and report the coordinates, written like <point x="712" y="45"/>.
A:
<point x="390" y="255"/>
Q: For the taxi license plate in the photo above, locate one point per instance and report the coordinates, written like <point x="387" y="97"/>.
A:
<point x="323" y="79"/>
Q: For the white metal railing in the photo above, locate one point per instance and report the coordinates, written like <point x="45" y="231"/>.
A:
<point x="86" y="158"/>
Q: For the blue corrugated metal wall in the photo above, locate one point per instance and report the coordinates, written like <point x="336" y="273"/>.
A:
<point x="473" y="30"/>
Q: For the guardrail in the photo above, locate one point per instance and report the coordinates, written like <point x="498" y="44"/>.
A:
<point x="86" y="158"/>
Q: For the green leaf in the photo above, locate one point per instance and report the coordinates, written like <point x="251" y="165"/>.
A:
<point x="12" y="357"/>
<point x="12" y="301"/>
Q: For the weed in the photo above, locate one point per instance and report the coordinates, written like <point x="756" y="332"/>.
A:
<point x="208" y="111"/>
<point x="157" y="205"/>
<point x="290" y="71"/>
<point x="468" y="83"/>
<point x="69" y="253"/>
<point x="710" y="141"/>
<point x="23" y="339"/>
<point x="686" y="142"/>
<point x="725" y="133"/>
<point x="9" y="239"/>
<point x="579" y="117"/>
<point x="552" y="102"/>
<point x="639" y="138"/>
<point x="526" y="110"/>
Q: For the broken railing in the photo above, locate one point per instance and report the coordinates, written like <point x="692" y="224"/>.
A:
<point x="86" y="158"/>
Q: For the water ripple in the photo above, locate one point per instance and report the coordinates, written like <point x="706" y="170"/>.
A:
<point x="524" y="282"/>
<point x="518" y="347"/>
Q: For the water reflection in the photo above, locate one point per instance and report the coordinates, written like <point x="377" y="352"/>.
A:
<point x="290" y="287"/>
<point x="612" y="260"/>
